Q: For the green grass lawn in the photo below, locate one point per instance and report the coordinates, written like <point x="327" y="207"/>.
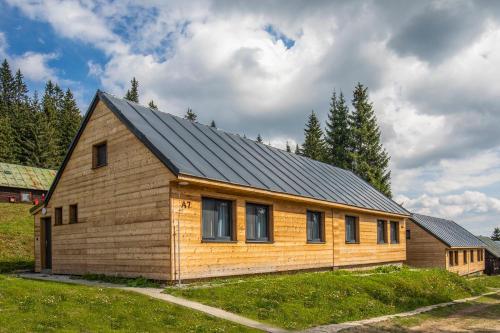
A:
<point x="303" y="300"/>
<point x="16" y="237"/>
<point x="291" y="300"/>
<point x="38" y="306"/>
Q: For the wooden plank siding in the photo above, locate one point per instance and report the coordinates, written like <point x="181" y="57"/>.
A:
<point x="289" y="249"/>
<point x="468" y="267"/>
<point x="367" y="251"/>
<point x="425" y="250"/>
<point x="126" y="227"/>
<point x="123" y="208"/>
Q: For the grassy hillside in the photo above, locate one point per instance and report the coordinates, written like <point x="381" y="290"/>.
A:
<point x="37" y="306"/>
<point x="16" y="237"/>
<point x="302" y="300"/>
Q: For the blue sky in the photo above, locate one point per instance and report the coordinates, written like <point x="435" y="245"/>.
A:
<point x="432" y="69"/>
<point x="69" y="63"/>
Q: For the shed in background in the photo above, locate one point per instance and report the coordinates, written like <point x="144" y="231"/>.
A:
<point x="492" y="255"/>
<point x="19" y="183"/>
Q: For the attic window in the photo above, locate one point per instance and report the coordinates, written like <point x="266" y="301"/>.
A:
<point x="99" y="155"/>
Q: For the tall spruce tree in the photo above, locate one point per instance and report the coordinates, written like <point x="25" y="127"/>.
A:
<point x="288" y="149"/>
<point x="370" y="160"/>
<point x="338" y="134"/>
<point x="6" y="89"/>
<point x="190" y="115"/>
<point x="70" y="122"/>
<point x="19" y="115"/>
<point x="259" y="138"/>
<point x="133" y="93"/>
<point x="212" y="124"/>
<point x="496" y="234"/>
<point x="314" y="143"/>
<point x="52" y="106"/>
<point x="20" y="90"/>
<point x="49" y="103"/>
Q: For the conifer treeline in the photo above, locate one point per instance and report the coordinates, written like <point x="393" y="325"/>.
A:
<point x="351" y="140"/>
<point x="33" y="132"/>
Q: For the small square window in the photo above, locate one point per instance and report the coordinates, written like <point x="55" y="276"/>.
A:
<point x="58" y="216"/>
<point x="315" y="227"/>
<point x="258" y="225"/>
<point x="99" y="155"/>
<point x="381" y="232"/>
<point x="351" y="230"/>
<point x="73" y="214"/>
<point x="217" y="220"/>
<point x="394" y="232"/>
<point x="25" y="196"/>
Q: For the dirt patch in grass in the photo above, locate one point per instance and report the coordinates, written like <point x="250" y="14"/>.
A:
<point x="16" y="237"/>
<point x="481" y="315"/>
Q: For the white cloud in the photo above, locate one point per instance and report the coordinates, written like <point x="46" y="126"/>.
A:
<point x="450" y="175"/>
<point x="452" y="206"/>
<point x="479" y="170"/>
<point x="95" y="69"/>
<point x="3" y="43"/>
<point x="74" y="19"/>
<point x="35" y="66"/>
<point x="439" y="119"/>
<point x="474" y="210"/>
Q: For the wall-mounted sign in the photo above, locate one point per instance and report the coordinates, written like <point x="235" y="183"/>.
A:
<point x="44" y="211"/>
<point x="186" y="204"/>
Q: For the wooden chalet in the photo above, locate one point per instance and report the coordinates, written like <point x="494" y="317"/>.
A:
<point x="492" y="257"/>
<point x="436" y="242"/>
<point x="19" y="183"/>
<point x="145" y="193"/>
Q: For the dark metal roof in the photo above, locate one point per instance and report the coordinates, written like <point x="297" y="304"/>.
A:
<point x="190" y="148"/>
<point x="193" y="149"/>
<point x="447" y="231"/>
<point x="492" y="246"/>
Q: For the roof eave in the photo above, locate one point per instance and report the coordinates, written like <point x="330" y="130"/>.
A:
<point x="37" y="208"/>
<point x="246" y="188"/>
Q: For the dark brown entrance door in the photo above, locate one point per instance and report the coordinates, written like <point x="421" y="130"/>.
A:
<point x="47" y="243"/>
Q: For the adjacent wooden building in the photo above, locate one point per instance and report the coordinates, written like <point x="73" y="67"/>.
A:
<point x="436" y="242"/>
<point x="145" y="193"/>
<point x="492" y="257"/>
<point x="19" y="183"/>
